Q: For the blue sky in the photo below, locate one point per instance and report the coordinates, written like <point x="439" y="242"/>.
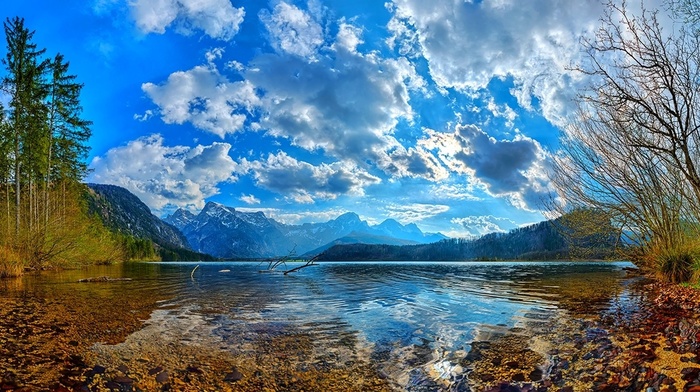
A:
<point x="443" y="113"/>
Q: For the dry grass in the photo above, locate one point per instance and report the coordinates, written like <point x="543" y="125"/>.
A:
<point x="11" y="264"/>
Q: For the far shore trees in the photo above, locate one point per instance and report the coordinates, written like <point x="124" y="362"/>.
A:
<point x="633" y="150"/>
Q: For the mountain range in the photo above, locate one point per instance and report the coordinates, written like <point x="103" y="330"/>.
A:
<point x="225" y="232"/>
<point x="566" y="237"/>
<point x="221" y="232"/>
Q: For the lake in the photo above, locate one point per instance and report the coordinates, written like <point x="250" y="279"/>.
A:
<point x="410" y="323"/>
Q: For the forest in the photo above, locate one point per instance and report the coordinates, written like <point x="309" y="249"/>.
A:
<point x="565" y="238"/>
<point x="43" y="150"/>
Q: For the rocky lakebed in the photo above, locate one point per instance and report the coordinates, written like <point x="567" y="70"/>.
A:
<point x="108" y="339"/>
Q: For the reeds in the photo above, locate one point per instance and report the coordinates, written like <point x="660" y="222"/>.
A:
<point x="11" y="264"/>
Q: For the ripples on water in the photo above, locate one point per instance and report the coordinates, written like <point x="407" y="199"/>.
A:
<point x="386" y="307"/>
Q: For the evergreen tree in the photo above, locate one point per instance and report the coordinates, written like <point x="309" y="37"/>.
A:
<point x="68" y="132"/>
<point x="23" y="83"/>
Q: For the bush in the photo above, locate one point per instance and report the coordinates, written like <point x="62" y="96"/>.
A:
<point x="11" y="264"/>
<point x="677" y="266"/>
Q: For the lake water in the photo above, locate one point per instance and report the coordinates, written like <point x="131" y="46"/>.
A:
<point x="389" y="311"/>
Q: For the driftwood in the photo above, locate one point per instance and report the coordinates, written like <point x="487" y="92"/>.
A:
<point x="274" y="263"/>
<point x="309" y="263"/>
<point x="103" y="279"/>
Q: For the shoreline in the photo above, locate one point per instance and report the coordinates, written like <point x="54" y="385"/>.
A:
<point x="650" y="339"/>
<point x="655" y="347"/>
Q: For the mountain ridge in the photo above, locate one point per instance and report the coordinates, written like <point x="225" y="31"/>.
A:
<point x="124" y="213"/>
<point x="229" y="233"/>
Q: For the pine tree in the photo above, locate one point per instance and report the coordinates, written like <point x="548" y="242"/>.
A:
<point x="68" y="132"/>
<point x="24" y="85"/>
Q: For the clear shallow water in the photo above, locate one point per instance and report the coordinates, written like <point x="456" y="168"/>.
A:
<point x="389" y="308"/>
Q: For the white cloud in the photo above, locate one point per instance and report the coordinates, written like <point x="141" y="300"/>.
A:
<point x="292" y="31"/>
<point x="165" y="177"/>
<point x="321" y="95"/>
<point x="304" y="182"/>
<point x="249" y="199"/>
<point x="145" y="116"/>
<point x="480" y="225"/>
<point x="454" y="191"/>
<point x="217" y="18"/>
<point x="415" y="163"/>
<point x="415" y="212"/>
<point x="467" y="44"/>
<point x="297" y="217"/>
<point x="205" y="98"/>
<point x="345" y="103"/>
<point x="514" y="169"/>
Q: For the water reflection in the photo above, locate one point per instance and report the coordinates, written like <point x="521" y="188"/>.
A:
<point x="405" y="315"/>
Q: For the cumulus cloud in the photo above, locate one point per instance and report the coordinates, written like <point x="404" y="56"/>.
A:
<point x="216" y="18"/>
<point x="165" y="177"/>
<point x="346" y="104"/>
<point x="415" y="212"/>
<point x="467" y="44"/>
<point x="297" y="217"/>
<point x="514" y="169"/>
<point x="205" y="98"/>
<point x="249" y="199"/>
<point x="304" y="182"/>
<point x="480" y="225"/>
<point x="145" y="116"/>
<point x="292" y="31"/>
<point x="318" y="92"/>
<point x="415" y="163"/>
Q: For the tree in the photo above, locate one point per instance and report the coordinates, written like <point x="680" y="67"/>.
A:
<point x="23" y="84"/>
<point x="43" y="143"/>
<point x="68" y="133"/>
<point x="633" y="149"/>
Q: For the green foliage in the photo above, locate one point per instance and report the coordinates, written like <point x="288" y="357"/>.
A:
<point x="676" y="267"/>
<point x="140" y="249"/>
<point x="182" y="254"/>
<point x="42" y="162"/>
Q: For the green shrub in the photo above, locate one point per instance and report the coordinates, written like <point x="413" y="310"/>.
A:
<point x="676" y="266"/>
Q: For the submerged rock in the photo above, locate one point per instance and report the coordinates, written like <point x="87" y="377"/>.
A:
<point x="234" y="375"/>
<point x="103" y="279"/>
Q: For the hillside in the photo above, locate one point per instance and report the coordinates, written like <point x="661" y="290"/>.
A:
<point x="549" y="240"/>
<point x="124" y="213"/>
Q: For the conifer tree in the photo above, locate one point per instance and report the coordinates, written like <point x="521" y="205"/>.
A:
<point x="68" y="132"/>
<point x="23" y="83"/>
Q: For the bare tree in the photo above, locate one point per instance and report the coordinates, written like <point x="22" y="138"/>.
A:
<point x="634" y="147"/>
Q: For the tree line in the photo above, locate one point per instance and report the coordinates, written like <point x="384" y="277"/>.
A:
<point x="560" y="239"/>
<point x="43" y="148"/>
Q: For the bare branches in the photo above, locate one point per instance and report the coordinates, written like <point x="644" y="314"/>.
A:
<point x="633" y="149"/>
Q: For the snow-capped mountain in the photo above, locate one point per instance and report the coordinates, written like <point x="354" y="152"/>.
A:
<point x="225" y="232"/>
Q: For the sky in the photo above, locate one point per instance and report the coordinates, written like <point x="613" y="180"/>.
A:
<point x="443" y="113"/>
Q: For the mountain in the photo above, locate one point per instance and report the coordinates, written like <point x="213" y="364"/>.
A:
<point x="228" y="233"/>
<point x="410" y="232"/>
<point x="124" y="213"/>
<point x="224" y="232"/>
<point x="548" y="240"/>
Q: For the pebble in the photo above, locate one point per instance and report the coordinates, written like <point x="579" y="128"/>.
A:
<point x="155" y="370"/>
<point x="162" y="377"/>
<point x="123" y="380"/>
<point x="234" y="375"/>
